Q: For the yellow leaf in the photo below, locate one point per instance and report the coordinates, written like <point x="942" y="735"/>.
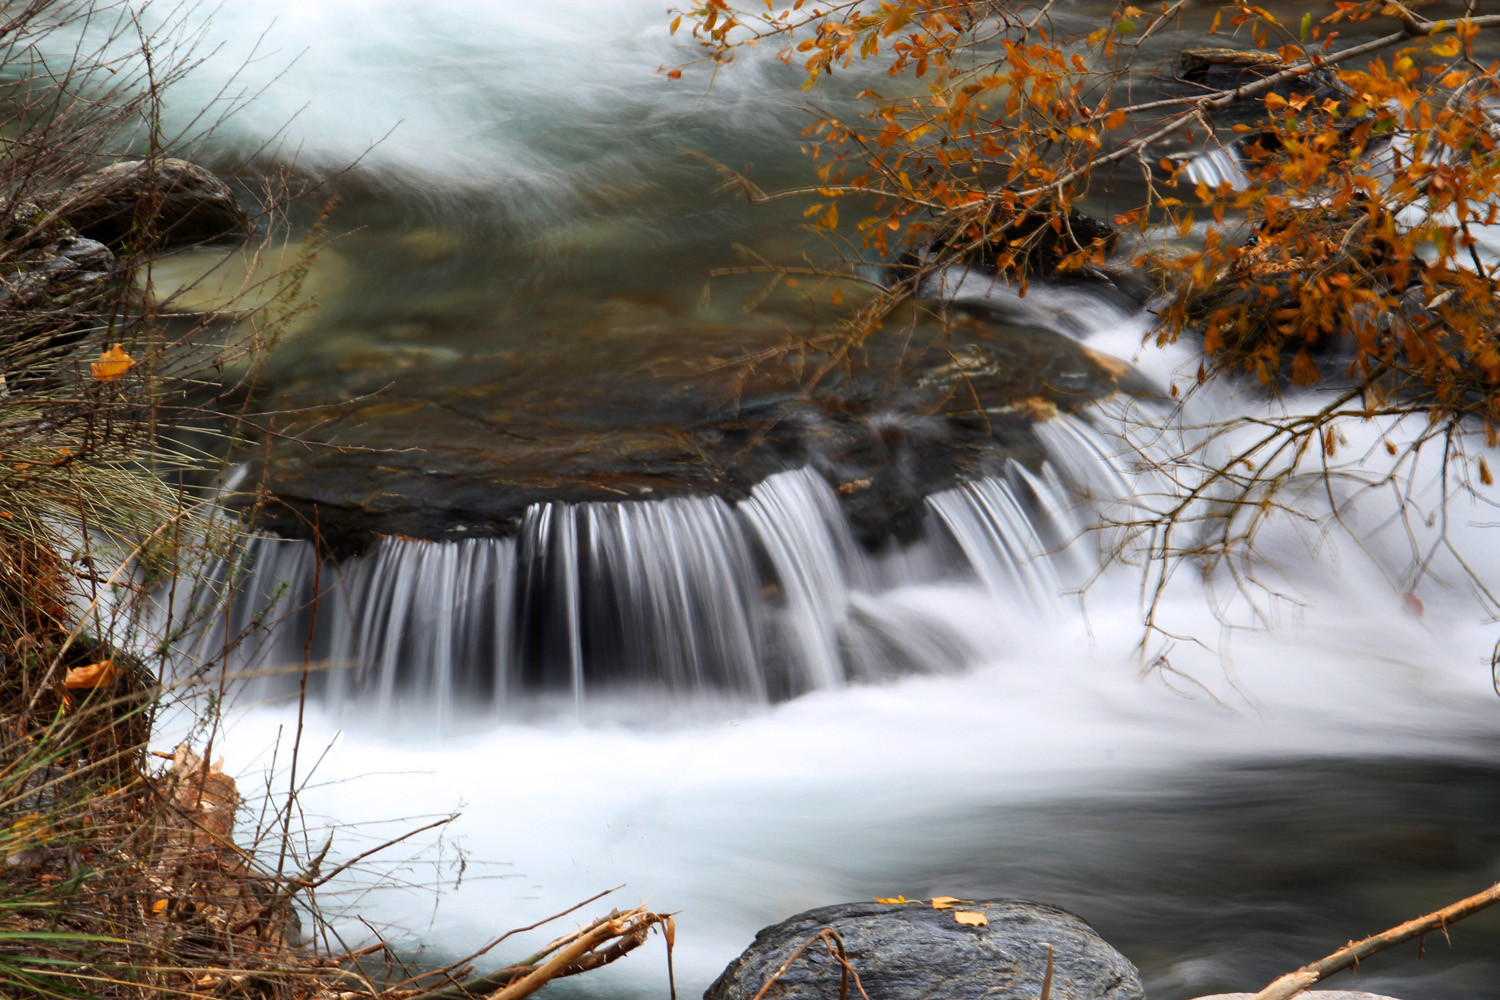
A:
<point x="1080" y="134"/>
<point x="92" y="676"/>
<point x="1447" y="48"/>
<point x="34" y="825"/>
<point x="159" y="908"/>
<point x="945" y="902"/>
<point x="1275" y="102"/>
<point x="1115" y="120"/>
<point x="970" y="918"/>
<point x="112" y="364"/>
<point x="893" y="899"/>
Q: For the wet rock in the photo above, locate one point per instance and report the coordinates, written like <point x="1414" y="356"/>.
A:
<point x="884" y="437"/>
<point x="1197" y="64"/>
<point x="176" y="202"/>
<point x="913" y="952"/>
<point x="67" y="272"/>
<point x="1033" y="244"/>
<point x="52" y="281"/>
<point x="1205" y="72"/>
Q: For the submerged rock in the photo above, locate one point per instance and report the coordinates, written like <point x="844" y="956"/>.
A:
<point x="182" y="203"/>
<point x="884" y="436"/>
<point x="913" y="952"/>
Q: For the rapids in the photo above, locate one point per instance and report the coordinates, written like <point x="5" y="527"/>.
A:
<point x="730" y="705"/>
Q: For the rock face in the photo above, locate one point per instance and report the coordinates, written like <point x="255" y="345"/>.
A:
<point x="183" y="202"/>
<point x="913" y="952"/>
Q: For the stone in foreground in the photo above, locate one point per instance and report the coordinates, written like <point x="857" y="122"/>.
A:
<point x="1309" y="995"/>
<point x="914" y="952"/>
<point x="183" y="203"/>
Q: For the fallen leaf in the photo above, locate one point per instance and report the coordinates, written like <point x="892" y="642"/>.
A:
<point x="112" y="364"/>
<point x="971" y="918"/>
<point x="893" y="899"/>
<point x="945" y="902"/>
<point x="159" y="908"/>
<point x="92" y="676"/>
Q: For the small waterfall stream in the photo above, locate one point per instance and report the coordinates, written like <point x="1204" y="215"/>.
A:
<point x="763" y="600"/>
<point x="734" y="706"/>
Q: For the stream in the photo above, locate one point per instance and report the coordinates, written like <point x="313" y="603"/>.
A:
<point x="574" y="606"/>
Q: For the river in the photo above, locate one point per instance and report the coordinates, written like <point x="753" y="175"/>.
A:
<point x="728" y="699"/>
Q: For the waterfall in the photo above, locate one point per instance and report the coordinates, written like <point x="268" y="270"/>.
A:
<point x="1215" y="166"/>
<point x="762" y="600"/>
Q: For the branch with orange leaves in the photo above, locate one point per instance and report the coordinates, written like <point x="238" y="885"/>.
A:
<point x="1221" y="99"/>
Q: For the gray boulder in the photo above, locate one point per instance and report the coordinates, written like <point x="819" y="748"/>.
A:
<point x="182" y="204"/>
<point x="1309" y="995"/>
<point x="912" y="952"/>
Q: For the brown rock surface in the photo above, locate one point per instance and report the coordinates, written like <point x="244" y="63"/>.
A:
<point x="181" y="202"/>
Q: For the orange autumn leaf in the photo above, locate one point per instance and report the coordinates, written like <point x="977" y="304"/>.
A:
<point x="971" y="918"/>
<point x="112" y="364"/>
<point x="893" y="899"/>
<point x="945" y="902"/>
<point x="92" y="676"/>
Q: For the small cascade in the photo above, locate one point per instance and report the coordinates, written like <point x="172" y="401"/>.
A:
<point x="1073" y="310"/>
<point x="761" y="600"/>
<point x="1015" y="532"/>
<point x="1215" y="166"/>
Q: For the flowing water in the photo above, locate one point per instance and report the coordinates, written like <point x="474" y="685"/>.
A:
<point x="731" y="701"/>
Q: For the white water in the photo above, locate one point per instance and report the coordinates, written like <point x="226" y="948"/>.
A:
<point x="736" y="814"/>
<point x="539" y="109"/>
<point x="992" y="707"/>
